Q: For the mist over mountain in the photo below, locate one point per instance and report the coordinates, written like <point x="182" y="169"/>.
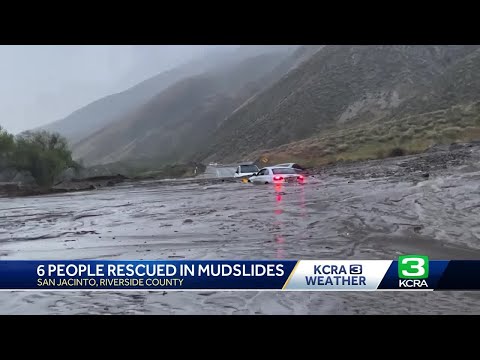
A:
<point x="173" y="124"/>
<point x="98" y="114"/>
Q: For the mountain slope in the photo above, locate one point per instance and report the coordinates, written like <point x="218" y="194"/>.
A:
<point x="297" y="58"/>
<point x="459" y="83"/>
<point x="175" y="123"/>
<point x="338" y="87"/>
<point x="448" y="111"/>
<point x="109" y="109"/>
<point x="100" y="113"/>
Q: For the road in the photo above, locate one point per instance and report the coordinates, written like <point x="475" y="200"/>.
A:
<point x="330" y="217"/>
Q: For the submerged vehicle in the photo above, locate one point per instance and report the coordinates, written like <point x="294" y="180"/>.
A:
<point x="245" y="170"/>
<point x="298" y="168"/>
<point x="276" y="175"/>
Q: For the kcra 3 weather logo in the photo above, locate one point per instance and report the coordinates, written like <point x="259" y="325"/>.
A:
<point x="413" y="271"/>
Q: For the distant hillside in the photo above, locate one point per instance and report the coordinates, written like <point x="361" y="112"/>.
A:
<point x="99" y="114"/>
<point x="341" y="87"/>
<point x="104" y="111"/>
<point x="178" y="121"/>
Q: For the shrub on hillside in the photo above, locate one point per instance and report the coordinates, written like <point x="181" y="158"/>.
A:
<point x="43" y="154"/>
<point x="397" y="151"/>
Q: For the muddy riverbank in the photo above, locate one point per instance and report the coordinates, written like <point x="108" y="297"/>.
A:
<point x="66" y="186"/>
<point x="438" y="159"/>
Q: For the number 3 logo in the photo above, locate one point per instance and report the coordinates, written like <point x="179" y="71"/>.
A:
<point x="417" y="266"/>
<point x="413" y="267"/>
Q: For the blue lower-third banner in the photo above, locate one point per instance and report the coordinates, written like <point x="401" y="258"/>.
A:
<point x="409" y="272"/>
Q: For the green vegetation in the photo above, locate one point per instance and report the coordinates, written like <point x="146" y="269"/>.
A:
<point x="44" y="155"/>
<point x="394" y="137"/>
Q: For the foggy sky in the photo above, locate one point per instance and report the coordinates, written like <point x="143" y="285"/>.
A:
<point x="40" y="84"/>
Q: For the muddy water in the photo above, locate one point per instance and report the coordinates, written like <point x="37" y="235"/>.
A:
<point x="327" y="218"/>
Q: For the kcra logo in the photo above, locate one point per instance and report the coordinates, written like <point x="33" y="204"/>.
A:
<point x="413" y="271"/>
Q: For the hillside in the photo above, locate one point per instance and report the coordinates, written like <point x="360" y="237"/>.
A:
<point x="343" y="87"/>
<point x="179" y="120"/>
<point x="99" y="114"/>
<point x="94" y="116"/>
<point x="446" y="112"/>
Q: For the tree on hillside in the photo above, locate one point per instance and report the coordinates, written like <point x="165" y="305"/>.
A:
<point x="43" y="154"/>
<point x="7" y="143"/>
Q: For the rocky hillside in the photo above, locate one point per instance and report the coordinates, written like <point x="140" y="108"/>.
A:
<point x="341" y="88"/>
<point x="447" y="112"/>
<point x="173" y="125"/>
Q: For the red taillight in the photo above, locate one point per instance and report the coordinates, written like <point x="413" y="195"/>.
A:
<point x="277" y="178"/>
<point x="300" y="177"/>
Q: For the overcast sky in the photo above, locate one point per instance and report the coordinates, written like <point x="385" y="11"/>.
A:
<point x="43" y="83"/>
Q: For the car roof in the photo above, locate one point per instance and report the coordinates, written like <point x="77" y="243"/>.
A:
<point x="276" y="167"/>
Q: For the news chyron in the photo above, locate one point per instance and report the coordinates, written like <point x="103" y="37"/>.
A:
<point x="407" y="273"/>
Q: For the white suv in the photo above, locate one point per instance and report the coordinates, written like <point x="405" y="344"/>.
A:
<point x="245" y="171"/>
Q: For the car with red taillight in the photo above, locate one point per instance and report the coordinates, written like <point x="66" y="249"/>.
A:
<point x="275" y="175"/>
